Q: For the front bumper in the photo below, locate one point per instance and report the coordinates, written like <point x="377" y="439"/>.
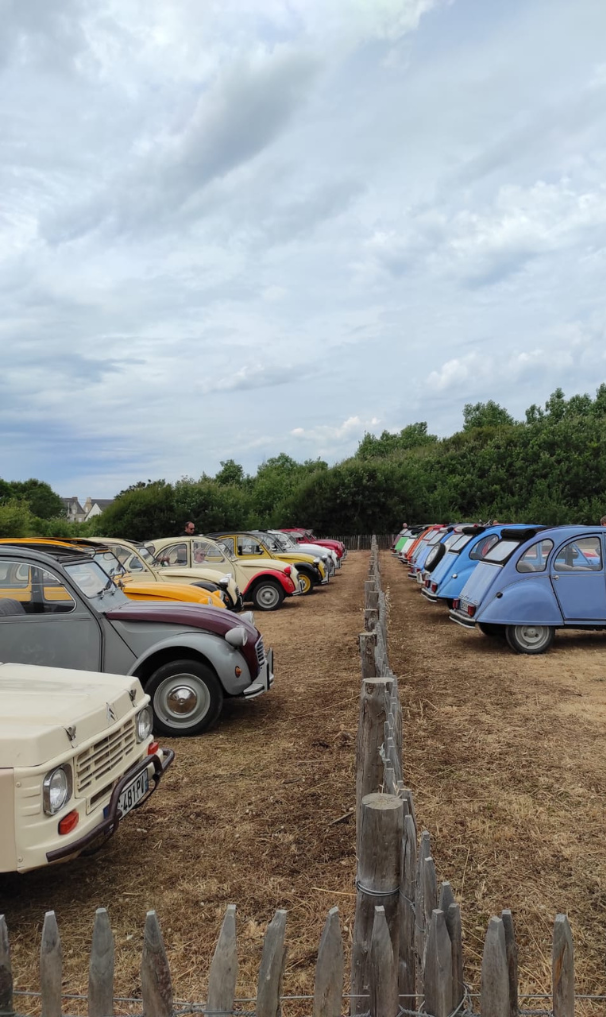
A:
<point x="264" y="680"/>
<point x="94" y="839"/>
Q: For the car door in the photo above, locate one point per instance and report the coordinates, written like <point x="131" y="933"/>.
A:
<point x="42" y="621"/>
<point x="577" y="576"/>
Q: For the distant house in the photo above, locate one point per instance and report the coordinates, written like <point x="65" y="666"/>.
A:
<point x="73" y="510"/>
<point x="95" y="506"/>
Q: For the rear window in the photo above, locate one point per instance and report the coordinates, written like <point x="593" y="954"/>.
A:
<point x="460" y="543"/>
<point x="501" y="551"/>
<point x="433" y="538"/>
<point x="483" y="546"/>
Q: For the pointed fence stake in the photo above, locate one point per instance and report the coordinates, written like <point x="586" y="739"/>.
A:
<point x="6" y="973"/>
<point x="512" y="960"/>
<point x="383" y="982"/>
<point x="438" y="967"/>
<point x="273" y="960"/>
<point x="453" y="924"/>
<point x="407" y="972"/>
<point x="101" y="968"/>
<point x="224" y="966"/>
<point x="328" y="990"/>
<point x="562" y="968"/>
<point x="494" y="1000"/>
<point x="50" y="967"/>
<point x="156" y="986"/>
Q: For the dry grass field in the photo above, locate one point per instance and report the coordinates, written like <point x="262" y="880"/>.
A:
<point x="507" y="759"/>
<point x="244" y="816"/>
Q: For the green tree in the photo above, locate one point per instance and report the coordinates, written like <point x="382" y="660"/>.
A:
<point x="488" y="414"/>
<point x="230" y="473"/>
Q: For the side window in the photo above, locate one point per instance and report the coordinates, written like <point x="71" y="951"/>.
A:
<point x="174" y="554"/>
<point x="581" y="555"/>
<point x="228" y="543"/>
<point x="204" y="551"/>
<point x="247" y="545"/>
<point x="483" y="547"/>
<point x="133" y="564"/>
<point x="30" y="590"/>
<point x="535" y="558"/>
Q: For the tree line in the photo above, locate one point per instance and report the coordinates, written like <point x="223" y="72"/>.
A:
<point x="549" y="468"/>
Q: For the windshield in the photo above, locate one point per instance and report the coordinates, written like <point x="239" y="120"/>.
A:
<point x="109" y="563"/>
<point x="90" y="578"/>
<point x="270" y="540"/>
<point x="501" y="551"/>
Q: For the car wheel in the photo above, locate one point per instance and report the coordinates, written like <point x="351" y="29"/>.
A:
<point x="530" y="638"/>
<point x="267" y="595"/>
<point x="492" y="630"/>
<point x="186" y="696"/>
<point x="306" y="584"/>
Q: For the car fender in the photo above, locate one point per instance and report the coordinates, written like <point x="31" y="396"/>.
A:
<point x="221" y="656"/>
<point x="529" y="600"/>
<point x="285" y="581"/>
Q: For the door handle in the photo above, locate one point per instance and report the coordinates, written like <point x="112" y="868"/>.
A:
<point x="555" y="577"/>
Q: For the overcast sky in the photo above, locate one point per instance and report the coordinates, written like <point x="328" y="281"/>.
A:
<point x="230" y="228"/>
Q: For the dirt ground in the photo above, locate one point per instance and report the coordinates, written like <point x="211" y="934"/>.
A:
<point x="245" y="816"/>
<point x="506" y="757"/>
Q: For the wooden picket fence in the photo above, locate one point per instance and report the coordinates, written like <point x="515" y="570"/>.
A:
<point x="407" y="950"/>
<point x="364" y="541"/>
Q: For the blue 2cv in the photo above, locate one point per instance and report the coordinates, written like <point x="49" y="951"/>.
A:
<point x="525" y="591"/>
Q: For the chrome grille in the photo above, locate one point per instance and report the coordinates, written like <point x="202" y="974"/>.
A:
<point x="99" y="759"/>
<point x="260" y="650"/>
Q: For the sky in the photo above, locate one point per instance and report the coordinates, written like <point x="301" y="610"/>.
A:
<point x="233" y="228"/>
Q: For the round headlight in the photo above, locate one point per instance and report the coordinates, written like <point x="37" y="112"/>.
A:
<point x="56" y="789"/>
<point x="237" y="636"/>
<point x="316" y="561"/>
<point x="145" y="721"/>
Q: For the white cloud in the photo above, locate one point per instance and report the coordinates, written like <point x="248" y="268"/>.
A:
<point x="278" y="224"/>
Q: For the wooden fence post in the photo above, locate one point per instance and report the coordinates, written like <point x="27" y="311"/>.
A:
<point x="407" y="973"/>
<point x="420" y="911"/>
<point x="328" y="988"/>
<point x="453" y="924"/>
<point x="383" y="979"/>
<point x="50" y="967"/>
<point x="368" y="643"/>
<point x="437" y="981"/>
<point x="378" y="884"/>
<point x="369" y="765"/>
<point x="271" y="971"/>
<point x="6" y="973"/>
<point x="494" y="999"/>
<point x="101" y="968"/>
<point x="562" y="968"/>
<point x="156" y="986"/>
<point x="224" y="967"/>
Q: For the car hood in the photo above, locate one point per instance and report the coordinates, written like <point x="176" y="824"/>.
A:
<point x="39" y="704"/>
<point x="183" y="592"/>
<point x="196" y="616"/>
<point x="254" y="564"/>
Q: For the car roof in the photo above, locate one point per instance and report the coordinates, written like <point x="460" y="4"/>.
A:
<point x="46" y="552"/>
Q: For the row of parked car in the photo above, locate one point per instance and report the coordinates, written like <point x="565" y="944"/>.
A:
<point x="517" y="582"/>
<point x="112" y="643"/>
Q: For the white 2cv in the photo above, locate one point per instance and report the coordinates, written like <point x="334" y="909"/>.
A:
<point x="76" y="756"/>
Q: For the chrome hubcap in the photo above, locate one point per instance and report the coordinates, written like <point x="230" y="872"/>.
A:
<point x="533" y="635"/>
<point x="268" y="596"/>
<point x="182" y="700"/>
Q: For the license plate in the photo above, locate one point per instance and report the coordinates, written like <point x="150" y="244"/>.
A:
<point x="133" y="793"/>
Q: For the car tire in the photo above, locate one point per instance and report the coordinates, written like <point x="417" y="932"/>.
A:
<point x="308" y="581"/>
<point x="530" y="638"/>
<point x="497" y="631"/>
<point x="186" y="697"/>
<point x="435" y="557"/>
<point x="267" y="595"/>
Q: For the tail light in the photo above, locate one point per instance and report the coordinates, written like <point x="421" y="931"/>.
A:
<point x="471" y="610"/>
<point x="456" y="604"/>
<point x="434" y="587"/>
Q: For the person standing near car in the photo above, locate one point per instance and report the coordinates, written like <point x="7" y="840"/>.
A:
<point x="189" y="529"/>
